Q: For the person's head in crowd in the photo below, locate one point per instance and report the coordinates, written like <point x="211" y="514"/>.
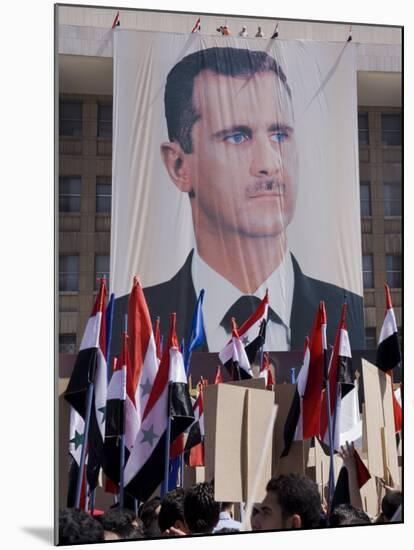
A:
<point x="292" y="502"/>
<point x="346" y="514"/>
<point x="122" y="523"/>
<point x="201" y="511"/>
<point x="227" y="507"/>
<point x="389" y="505"/>
<point x="78" y="527"/>
<point x="172" y="511"/>
<point x="149" y="515"/>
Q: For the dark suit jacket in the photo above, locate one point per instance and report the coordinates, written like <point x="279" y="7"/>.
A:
<point x="178" y="295"/>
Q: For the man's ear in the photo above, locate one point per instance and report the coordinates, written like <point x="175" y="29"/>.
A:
<point x="175" y="162"/>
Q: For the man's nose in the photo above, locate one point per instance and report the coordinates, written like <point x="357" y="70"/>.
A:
<point x="266" y="157"/>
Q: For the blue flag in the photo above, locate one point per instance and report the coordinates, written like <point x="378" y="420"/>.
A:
<point x="197" y="335"/>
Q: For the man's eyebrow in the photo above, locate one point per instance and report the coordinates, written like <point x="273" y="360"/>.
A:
<point x="277" y="127"/>
<point x="233" y="130"/>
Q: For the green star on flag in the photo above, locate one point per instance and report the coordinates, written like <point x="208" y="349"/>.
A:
<point x="146" y="388"/>
<point x="149" y="435"/>
<point x="77" y="440"/>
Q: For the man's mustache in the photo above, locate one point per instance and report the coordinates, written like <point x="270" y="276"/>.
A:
<point x="266" y="186"/>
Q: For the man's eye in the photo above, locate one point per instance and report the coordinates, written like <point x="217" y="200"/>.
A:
<point x="278" y="137"/>
<point x="236" y="138"/>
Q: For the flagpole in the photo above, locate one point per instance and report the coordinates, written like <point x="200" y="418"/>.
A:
<point x="164" y="488"/>
<point x="122" y="447"/>
<point x="331" y="482"/>
<point x="293" y="375"/>
<point x="89" y="399"/>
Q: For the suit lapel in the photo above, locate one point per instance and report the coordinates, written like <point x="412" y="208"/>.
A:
<point x="303" y="308"/>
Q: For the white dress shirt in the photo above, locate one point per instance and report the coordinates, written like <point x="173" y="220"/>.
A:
<point x="220" y="295"/>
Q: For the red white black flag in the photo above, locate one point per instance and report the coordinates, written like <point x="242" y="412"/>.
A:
<point x="303" y="420"/>
<point x="90" y="367"/>
<point x="344" y="404"/>
<point x="144" y="469"/>
<point x="197" y="26"/>
<point x="234" y="357"/>
<point x="389" y="353"/>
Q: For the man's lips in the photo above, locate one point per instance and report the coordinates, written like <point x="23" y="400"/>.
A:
<point x="266" y="188"/>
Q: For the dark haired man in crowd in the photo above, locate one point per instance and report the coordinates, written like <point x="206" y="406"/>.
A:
<point x="121" y="523"/>
<point x="172" y="511"/>
<point x="292" y="502"/>
<point x="232" y="150"/>
<point x="148" y="513"/>
<point x="346" y="514"/>
<point x="201" y="511"/>
<point x="78" y="527"/>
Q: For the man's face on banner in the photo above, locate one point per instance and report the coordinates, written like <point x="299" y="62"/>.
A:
<point x="243" y="166"/>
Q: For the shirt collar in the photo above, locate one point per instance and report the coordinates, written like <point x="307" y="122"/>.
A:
<point x="220" y="294"/>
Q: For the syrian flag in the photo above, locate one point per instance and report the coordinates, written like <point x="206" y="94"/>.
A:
<point x="197" y="26"/>
<point x="116" y="22"/>
<point x="249" y="329"/>
<point x="257" y="344"/>
<point x="144" y="362"/>
<point x="90" y="368"/>
<point x="144" y="470"/>
<point x="389" y="353"/>
<point x="195" y="439"/>
<point x="303" y="420"/>
<point x="234" y="358"/>
<point x="219" y="378"/>
<point x="115" y="416"/>
<point x="344" y="404"/>
<point x="76" y="438"/>
<point x="265" y="371"/>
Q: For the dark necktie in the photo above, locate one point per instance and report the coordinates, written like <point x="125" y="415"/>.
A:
<point x="242" y="309"/>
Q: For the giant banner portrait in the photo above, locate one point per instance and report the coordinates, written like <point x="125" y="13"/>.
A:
<point x="235" y="170"/>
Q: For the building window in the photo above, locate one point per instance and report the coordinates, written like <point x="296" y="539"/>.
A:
<point x="392" y="199"/>
<point x="105" y="120"/>
<point x="69" y="194"/>
<point x="68" y="273"/>
<point x="67" y="343"/>
<point x="363" y="129"/>
<point x="368" y="271"/>
<point x="103" y="195"/>
<point x="101" y="269"/>
<point x="391" y="129"/>
<point x="370" y="338"/>
<point x="365" y="192"/>
<point x="394" y="270"/>
<point x="70" y="118"/>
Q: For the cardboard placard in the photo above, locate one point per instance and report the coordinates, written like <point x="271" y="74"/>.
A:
<point x="236" y="418"/>
<point x="379" y="418"/>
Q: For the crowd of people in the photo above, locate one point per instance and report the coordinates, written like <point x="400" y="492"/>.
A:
<point x="292" y="502"/>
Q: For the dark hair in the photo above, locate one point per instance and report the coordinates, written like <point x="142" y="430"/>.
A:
<point x="121" y="521"/>
<point x="225" y="506"/>
<point x="390" y="503"/>
<point x="346" y="514"/>
<point x="172" y="509"/>
<point x="78" y="527"/>
<point x="297" y="494"/>
<point x="201" y="511"/>
<point x="180" y="112"/>
<point x="149" y="517"/>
